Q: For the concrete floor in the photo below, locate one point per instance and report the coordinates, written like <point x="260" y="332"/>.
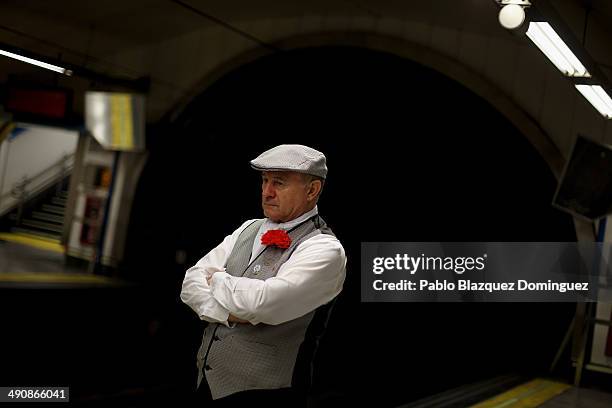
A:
<point x="580" y="398"/>
<point x="548" y="394"/>
<point x="24" y="267"/>
<point x="29" y="267"/>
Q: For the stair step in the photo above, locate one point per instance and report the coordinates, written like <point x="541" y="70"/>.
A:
<point x="47" y="235"/>
<point x="43" y="225"/>
<point x="62" y="194"/>
<point x="45" y="216"/>
<point x="59" y="201"/>
<point x="55" y="209"/>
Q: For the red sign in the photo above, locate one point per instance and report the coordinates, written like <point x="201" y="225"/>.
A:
<point x="47" y="103"/>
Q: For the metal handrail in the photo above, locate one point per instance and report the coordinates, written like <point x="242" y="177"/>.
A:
<point x="60" y="162"/>
<point x="20" y="188"/>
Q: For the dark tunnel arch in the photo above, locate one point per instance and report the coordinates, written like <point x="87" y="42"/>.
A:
<point x="413" y="156"/>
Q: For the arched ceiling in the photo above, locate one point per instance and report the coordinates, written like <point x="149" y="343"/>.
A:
<point x="179" y="43"/>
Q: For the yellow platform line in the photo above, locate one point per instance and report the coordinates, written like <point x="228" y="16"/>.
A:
<point x="43" y="277"/>
<point x="48" y="244"/>
<point x="528" y="395"/>
<point x="37" y="237"/>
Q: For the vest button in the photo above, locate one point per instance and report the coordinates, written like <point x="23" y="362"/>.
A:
<point x="207" y="368"/>
<point x="216" y="338"/>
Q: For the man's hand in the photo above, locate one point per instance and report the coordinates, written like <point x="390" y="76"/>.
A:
<point x="234" y="319"/>
<point x="209" y="277"/>
<point x="211" y="271"/>
<point x="231" y="318"/>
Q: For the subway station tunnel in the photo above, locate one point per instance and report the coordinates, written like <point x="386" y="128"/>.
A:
<point x="435" y="130"/>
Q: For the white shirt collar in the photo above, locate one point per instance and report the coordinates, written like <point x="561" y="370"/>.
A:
<point x="269" y="224"/>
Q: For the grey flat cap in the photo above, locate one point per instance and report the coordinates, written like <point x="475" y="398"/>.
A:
<point x="302" y="159"/>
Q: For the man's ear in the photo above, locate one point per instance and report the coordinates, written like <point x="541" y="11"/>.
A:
<point x="314" y="189"/>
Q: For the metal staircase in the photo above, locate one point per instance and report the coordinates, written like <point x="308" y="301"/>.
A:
<point x="41" y="216"/>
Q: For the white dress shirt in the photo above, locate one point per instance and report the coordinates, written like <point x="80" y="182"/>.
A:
<point x="311" y="277"/>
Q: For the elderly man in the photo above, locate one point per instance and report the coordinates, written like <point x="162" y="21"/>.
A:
<point x="267" y="289"/>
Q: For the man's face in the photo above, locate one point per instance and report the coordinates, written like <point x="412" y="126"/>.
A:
<point x="285" y="195"/>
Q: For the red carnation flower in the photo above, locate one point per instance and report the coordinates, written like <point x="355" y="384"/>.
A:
<point x="278" y="238"/>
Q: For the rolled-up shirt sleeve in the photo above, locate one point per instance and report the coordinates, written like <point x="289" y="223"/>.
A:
<point x="311" y="277"/>
<point x="196" y="292"/>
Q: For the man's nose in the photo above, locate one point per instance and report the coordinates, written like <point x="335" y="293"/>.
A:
<point x="267" y="190"/>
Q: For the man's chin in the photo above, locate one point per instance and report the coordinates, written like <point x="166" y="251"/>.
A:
<point x="272" y="216"/>
<point x="268" y="213"/>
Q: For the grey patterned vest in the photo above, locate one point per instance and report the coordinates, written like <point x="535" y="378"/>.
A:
<point x="262" y="356"/>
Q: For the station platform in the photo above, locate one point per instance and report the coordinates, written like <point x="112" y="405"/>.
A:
<point x="548" y="394"/>
<point x="34" y="262"/>
<point x="111" y="326"/>
<point x="513" y="391"/>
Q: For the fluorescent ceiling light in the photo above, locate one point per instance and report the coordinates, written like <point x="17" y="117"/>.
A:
<point x="36" y="62"/>
<point x="596" y="95"/>
<point x="547" y="40"/>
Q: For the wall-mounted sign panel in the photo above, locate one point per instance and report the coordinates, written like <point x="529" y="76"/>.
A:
<point x="116" y="120"/>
